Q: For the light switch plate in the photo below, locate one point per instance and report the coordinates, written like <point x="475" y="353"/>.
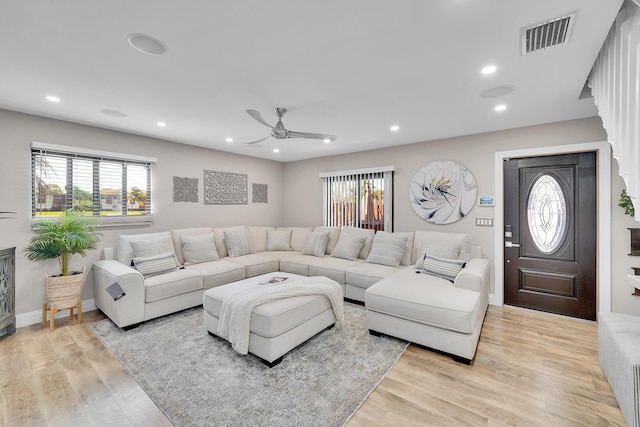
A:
<point x="484" y="222"/>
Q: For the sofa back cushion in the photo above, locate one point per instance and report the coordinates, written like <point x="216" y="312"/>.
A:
<point x="161" y="243"/>
<point x="441" y="244"/>
<point x="177" y="243"/>
<point x="279" y="240"/>
<point x="259" y="237"/>
<point x="299" y="236"/>
<point x="368" y="234"/>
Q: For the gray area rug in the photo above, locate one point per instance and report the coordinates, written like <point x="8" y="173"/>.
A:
<point x="198" y="380"/>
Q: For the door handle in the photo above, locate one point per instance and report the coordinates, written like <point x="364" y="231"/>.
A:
<point x="511" y="245"/>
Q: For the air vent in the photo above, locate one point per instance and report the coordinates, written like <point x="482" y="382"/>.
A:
<point x="554" y="32"/>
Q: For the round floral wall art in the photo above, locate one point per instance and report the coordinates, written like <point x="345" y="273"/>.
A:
<point x="443" y="192"/>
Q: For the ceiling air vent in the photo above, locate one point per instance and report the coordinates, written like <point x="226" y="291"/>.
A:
<point x="553" y="32"/>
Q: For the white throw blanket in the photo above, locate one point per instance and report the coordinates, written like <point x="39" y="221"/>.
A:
<point x="235" y="313"/>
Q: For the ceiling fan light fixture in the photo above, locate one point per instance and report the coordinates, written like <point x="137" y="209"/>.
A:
<point x="327" y="140"/>
<point x="500" y="107"/>
<point x="394" y="128"/>
<point x="52" y="98"/>
<point x="161" y="124"/>
<point x="276" y="150"/>
<point x="229" y="140"/>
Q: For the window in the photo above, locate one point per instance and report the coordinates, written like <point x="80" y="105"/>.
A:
<point x="360" y="198"/>
<point x="98" y="183"/>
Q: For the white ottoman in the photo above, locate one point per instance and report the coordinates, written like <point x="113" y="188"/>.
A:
<point x="277" y="326"/>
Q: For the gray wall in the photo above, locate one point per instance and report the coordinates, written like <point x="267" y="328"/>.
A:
<point x="295" y="190"/>
<point x="303" y="187"/>
<point x="17" y="131"/>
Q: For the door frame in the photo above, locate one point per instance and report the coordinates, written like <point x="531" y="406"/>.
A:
<point x="603" y="213"/>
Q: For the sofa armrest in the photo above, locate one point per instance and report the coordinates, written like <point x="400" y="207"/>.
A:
<point x="127" y="310"/>
<point x="474" y="276"/>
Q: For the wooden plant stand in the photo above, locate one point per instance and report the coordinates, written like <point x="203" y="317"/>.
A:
<point x="53" y="312"/>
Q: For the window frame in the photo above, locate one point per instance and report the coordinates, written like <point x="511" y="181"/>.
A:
<point x="97" y="157"/>
<point x="358" y="176"/>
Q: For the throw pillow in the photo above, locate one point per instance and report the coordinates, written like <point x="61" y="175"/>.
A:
<point x="316" y="243"/>
<point x="442" y="267"/>
<point x="199" y="248"/>
<point x="279" y="240"/>
<point x="238" y="242"/>
<point x="349" y="246"/>
<point x="154" y="265"/>
<point x="152" y="247"/>
<point x="387" y="249"/>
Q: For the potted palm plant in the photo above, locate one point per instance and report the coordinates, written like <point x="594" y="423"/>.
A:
<point x="62" y="238"/>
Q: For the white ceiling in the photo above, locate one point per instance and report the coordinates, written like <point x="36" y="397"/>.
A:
<point x="349" y="68"/>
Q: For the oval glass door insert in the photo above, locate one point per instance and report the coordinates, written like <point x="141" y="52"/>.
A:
<point x="547" y="214"/>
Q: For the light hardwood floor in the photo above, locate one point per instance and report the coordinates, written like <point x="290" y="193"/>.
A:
<point x="531" y="369"/>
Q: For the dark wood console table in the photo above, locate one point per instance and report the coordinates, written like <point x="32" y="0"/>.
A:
<point x="7" y="291"/>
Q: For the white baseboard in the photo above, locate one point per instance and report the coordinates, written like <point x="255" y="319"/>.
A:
<point x="33" y="317"/>
<point x="494" y="301"/>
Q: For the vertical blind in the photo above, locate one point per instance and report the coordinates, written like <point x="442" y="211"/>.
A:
<point x="615" y="85"/>
<point x="97" y="183"/>
<point x="359" y="198"/>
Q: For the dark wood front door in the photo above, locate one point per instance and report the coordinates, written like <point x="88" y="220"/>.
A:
<point x="550" y="234"/>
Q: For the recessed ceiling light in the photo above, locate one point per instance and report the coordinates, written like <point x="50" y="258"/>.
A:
<point x="489" y="69"/>
<point x="147" y="44"/>
<point x="113" y="113"/>
<point x="53" y="98"/>
<point x="394" y="128"/>
<point x="326" y="140"/>
<point x="276" y="150"/>
<point x="162" y="124"/>
<point x="500" y="107"/>
<point x="229" y="140"/>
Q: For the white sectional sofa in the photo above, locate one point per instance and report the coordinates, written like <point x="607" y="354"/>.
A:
<point x="161" y="273"/>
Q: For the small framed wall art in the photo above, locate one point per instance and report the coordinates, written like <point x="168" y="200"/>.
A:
<point x="486" y="201"/>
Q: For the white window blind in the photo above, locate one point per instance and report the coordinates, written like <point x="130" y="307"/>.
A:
<point x="359" y="198"/>
<point x="100" y="184"/>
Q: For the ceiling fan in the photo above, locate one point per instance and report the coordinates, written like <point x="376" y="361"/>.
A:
<point x="280" y="132"/>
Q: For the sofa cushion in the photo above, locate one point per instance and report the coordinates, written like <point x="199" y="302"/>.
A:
<point x="387" y="249"/>
<point x="298" y="236"/>
<point x="349" y="246"/>
<point x="180" y="281"/>
<point x="333" y="268"/>
<point x="218" y="273"/>
<point x="366" y="274"/>
<point x="177" y="243"/>
<point x="256" y="264"/>
<point x="154" y="265"/>
<point x="316" y="243"/>
<point x="297" y="264"/>
<point x="441" y="267"/>
<point x="334" y="235"/>
<point x="369" y="234"/>
<point x="200" y="248"/>
<point x="125" y="252"/>
<point x="238" y="242"/>
<point x="442" y="245"/>
<point x="279" y="240"/>
<point x="426" y="299"/>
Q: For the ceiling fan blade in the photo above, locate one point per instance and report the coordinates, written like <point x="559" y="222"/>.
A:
<point x="259" y="140"/>
<point x="322" y="136"/>
<point x="257" y="116"/>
